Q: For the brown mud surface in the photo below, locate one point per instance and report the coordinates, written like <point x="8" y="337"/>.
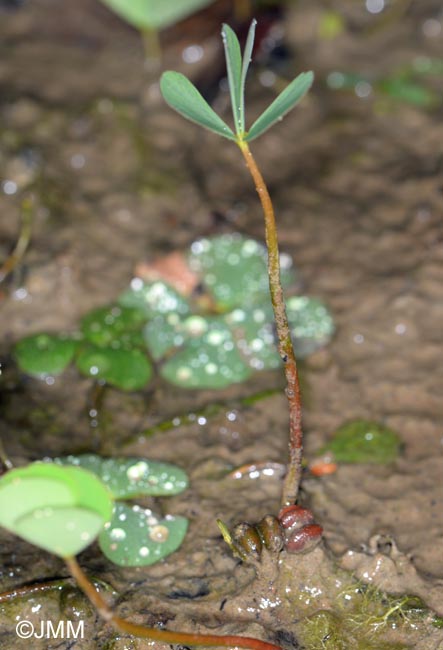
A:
<point x="119" y="179"/>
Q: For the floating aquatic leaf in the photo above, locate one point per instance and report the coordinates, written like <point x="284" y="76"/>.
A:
<point x="154" y="14"/>
<point x="125" y="369"/>
<point x="154" y="298"/>
<point x="363" y="441"/>
<point x="59" y="509"/>
<point x="162" y="334"/>
<point x="128" y="478"/>
<point x="208" y="359"/>
<point x="137" y="537"/>
<point x="184" y="97"/>
<point x="254" y="334"/>
<point x="114" y="326"/>
<point x="41" y="355"/>
<point x="234" y="269"/>
<point x="311" y="324"/>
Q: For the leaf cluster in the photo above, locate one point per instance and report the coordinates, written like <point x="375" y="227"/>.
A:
<point x="212" y="340"/>
<point x="184" y="97"/>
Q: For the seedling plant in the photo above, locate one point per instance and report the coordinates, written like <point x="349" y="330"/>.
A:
<point x="63" y="506"/>
<point x="182" y="95"/>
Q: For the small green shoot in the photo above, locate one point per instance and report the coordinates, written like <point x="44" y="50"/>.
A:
<point x="183" y="97"/>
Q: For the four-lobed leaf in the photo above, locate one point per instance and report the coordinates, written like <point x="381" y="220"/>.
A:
<point x="210" y="340"/>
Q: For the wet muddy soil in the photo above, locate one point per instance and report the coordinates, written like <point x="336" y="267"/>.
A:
<point x="116" y="179"/>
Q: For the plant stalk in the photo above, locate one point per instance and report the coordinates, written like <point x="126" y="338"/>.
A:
<point x="165" y="636"/>
<point x="286" y="350"/>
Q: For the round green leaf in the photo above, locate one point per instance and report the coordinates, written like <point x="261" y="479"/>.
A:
<point x="59" y="509"/>
<point x="114" y="326"/>
<point x="209" y="359"/>
<point x="136" y="537"/>
<point x="363" y="441"/>
<point x="124" y="369"/>
<point x="153" y="298"/>
<point x="127" y="478"/>
<point x="163" y="334"/>
<point x="234" y="269"/>
<point x="63" y="531"/>
<point x="41" y="355"/>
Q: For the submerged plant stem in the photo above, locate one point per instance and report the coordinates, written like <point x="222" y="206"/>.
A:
<point x="182" y="638"/>
<point x="293" y="476"/>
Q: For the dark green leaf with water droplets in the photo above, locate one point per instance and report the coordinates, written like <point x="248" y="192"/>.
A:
<point x="162" y="335"/>
<point x="137" y="537"/>
<point x="59" y="509"/>
<point x="234" y="269"/>
<point x="128" y="478"/>
<point x="114" y="324"/>
<point x="44" y="354"/>
<point x="183" y="96"/>
<point x="154" y="298"/>
<point x="254" y="333"/>
<point x="363" y="441"/>
<point x="284" y="103"/>
<point x="311" y="324"/>
<point x="121" y="368"/>
<point x="208" y="359"/>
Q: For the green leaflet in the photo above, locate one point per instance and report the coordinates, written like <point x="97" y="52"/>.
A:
<point x="184" y="97"/>
<point x="137" y="537"/>
<point x="127" y="369"/>
<point x="234" y="68"/>
<point x="41" y="355"/>
<point x="127" y="478"/>
<point x="154" y="14"/>
<point x="285" y="102"/>
<point x="247" y="54"/>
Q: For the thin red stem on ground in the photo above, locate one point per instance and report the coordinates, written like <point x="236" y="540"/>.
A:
<point x="165" y="636"/>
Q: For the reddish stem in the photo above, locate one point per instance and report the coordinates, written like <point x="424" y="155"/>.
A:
<point x="293" y="476"/>
<point x="182" y="638"/>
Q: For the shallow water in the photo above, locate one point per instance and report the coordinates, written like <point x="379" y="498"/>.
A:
<point x="119" y="179"/>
